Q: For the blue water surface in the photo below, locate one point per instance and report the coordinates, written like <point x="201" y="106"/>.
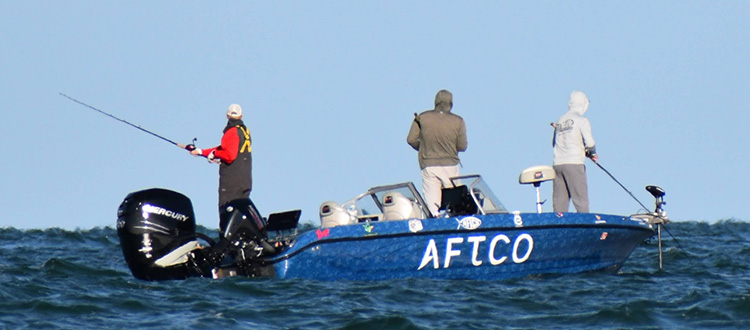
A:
<point x="59" y="279"/>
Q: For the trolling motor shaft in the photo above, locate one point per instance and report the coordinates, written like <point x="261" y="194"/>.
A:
<point x="658" y="217"/>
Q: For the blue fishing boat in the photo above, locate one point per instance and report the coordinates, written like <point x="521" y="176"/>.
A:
<point x="384" y="233"/>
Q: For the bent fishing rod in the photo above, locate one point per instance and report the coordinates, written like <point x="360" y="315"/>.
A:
<point x="188" y="147"/>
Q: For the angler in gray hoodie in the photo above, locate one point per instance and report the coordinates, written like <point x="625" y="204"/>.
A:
<point x="572" y="142"/>
<point x="438" y="135"/>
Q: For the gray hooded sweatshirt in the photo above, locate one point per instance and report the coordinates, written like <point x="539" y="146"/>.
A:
<point x="438" y="135"/>
<point x="572" y="139"/>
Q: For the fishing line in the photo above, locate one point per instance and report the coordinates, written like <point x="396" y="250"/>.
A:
<point x="676" y="241"/>
<point x="189" y="146"/>
<point x="618" y="182"/>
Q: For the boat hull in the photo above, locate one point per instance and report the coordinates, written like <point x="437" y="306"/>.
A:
<point x="482" y="247"/>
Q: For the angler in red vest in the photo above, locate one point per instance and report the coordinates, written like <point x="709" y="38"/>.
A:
<point x="234" y="156"/>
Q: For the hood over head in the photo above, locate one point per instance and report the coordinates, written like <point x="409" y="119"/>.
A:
<point x="444" y="101"/>
<point x="578" y="102"/>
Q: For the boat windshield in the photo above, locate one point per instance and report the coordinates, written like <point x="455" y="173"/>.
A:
<point x="369" y="205"/>
<point x="483" y="196"/>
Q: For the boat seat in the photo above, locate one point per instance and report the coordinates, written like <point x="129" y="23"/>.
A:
<point x="536" y="175"/>
<point x="398" y="207"/>
<point x="332" y="215"/>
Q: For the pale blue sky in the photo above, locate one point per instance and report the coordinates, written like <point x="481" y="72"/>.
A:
<point x="329" y="90"/>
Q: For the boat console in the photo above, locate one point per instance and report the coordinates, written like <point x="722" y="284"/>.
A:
<point x="457" y="201"/>
<point x="468" y="190"/>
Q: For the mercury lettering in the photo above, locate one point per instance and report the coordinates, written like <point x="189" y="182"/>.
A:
<point x="148" y="208"/>
<point x="479" y="248"/>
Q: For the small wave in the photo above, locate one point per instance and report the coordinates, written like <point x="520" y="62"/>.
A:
<point x="395" y="322"/>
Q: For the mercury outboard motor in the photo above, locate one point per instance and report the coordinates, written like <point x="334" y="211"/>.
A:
<point x="158" y="236"/>
<point x="159" y="240"/>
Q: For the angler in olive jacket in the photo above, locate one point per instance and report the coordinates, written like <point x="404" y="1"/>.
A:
<point x="438" y="135"/>
<point x="234" y="156"/>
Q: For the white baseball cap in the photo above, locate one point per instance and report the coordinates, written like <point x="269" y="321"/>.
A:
<point x="234" y="110"/>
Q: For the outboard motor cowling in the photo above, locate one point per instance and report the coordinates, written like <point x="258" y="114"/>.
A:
<point x="243" y="241"/>
<point x="240" y="216"/>
<point x="158" y="236"/>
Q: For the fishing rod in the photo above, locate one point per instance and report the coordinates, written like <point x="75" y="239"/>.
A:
<point x="610" y="174"/>
<point x="189" y="147"/>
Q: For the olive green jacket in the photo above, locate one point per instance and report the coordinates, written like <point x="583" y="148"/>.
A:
<point x="438" y="135"/>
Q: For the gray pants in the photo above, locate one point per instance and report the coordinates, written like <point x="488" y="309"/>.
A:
<point x="570" y="183"/>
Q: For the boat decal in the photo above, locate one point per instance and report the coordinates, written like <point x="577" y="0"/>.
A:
<point x="323" y="233"/>
<point x="599" y="219"/>
<point x="415" y="225"/>
<point x="559" y="214"/>
<point x="469" y="223"/>
<point x="517" y="218"/>
<point x="604" y="236"/>
<point x="640" y="221"/>
<point x="496" y="252"/>
<point x="368" y="228"/>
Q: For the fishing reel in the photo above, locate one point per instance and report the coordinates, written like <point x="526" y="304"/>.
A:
<point x="191" y="146"/>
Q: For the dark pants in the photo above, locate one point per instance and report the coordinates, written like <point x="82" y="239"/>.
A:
<point x="229" y="194"/>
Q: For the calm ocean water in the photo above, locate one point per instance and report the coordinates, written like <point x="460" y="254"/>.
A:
<point x="58" y="279"/>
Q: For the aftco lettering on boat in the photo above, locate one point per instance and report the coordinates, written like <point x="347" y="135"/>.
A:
<point x="481" y="251"/>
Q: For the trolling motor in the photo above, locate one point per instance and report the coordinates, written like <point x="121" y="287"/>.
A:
<point x="658" y="217"/>
<point x="658" y="194"/>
